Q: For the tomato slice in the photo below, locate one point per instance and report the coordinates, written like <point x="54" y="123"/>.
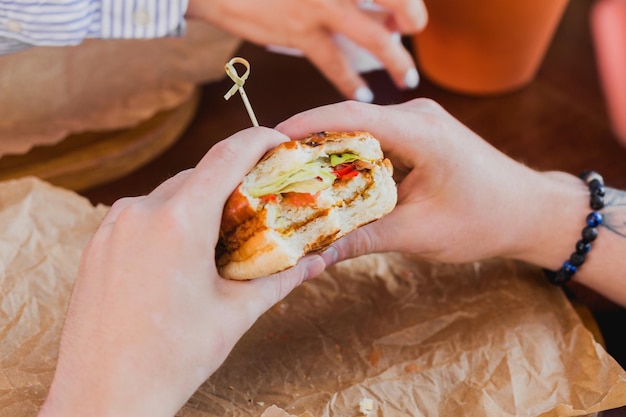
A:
<point x="345" y="171"/>
<point x="300" y="199"/>
<point x="350" y="174"/>
<point x="270" y="198"/>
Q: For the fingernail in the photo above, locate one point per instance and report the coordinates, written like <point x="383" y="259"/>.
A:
<point x="364" y="95"/>
<point x="330" y="255"/>
<point x="411" y="78"/>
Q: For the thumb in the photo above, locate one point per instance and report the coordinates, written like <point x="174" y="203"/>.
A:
<point x="264" y="292"/>
<point x="356" y="243"/>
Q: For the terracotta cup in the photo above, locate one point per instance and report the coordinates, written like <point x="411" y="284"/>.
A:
<point x="483" y="47"/>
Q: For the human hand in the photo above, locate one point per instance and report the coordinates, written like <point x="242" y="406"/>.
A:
<point x="309" y="26"/>
<point x="149" y="318"/>
<point x="459" y="198"/>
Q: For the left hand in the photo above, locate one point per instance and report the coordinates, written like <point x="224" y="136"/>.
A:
<point x="459" y="198"/>
<point x="309" y="25"/>
<point x="150" y="319"/>
<point x="462" y="200"/>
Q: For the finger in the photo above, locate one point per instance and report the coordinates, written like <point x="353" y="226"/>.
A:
<point x="403" y="130"/>
<point x="383" y="235"/>
<point x="379" y="236"/>
<point x="118" y="207"/>
<point x="169" y="187"/>
<point x="410" y="16"/>
<point x="322" y="51"/>
<point x="262" y="293"/>
<point x="298" y="125"/>
<point x="356" y="243"/>
<point x="163" y="191"/>
<point x="345" y="116"/>
<point x="223" y="167"/>
<point x="349" y="115"/>
<point x="379" y="41"/>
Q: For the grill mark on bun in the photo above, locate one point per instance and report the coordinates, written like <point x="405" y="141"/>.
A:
<point x="321" y="242"/>
<point x="356" y="196"/>
<point x="320" y="138"/>
<point x="295" y="226"/>
<point x="244" y="231"/>
<point x="315" y="139"/>
<point x="239" y="234"/>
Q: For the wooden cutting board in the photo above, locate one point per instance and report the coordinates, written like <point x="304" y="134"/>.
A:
<point x="88" y="159"/>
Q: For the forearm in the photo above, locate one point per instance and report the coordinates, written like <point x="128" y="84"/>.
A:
<point x="560" y="207"/>
<point x="69" y="22"/>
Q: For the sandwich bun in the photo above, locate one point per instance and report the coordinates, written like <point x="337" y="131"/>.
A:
<point x="302" y="196"/>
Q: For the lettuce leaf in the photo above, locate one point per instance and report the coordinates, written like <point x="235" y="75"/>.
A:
<point x="336" y="159"/>
<point x="309" y="178"/>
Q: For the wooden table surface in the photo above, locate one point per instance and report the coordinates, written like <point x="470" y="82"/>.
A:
<point x="557" y="122"/>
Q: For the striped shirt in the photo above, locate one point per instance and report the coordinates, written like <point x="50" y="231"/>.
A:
<point x="25" y="23"/>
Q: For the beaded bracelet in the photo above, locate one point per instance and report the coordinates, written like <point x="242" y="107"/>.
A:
<point x="595" y="182"/>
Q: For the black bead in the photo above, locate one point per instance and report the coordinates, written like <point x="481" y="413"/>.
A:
<point x="583" y="247"/>
<point x="577" y="259"/>
<point x="599" y="191"/>
<point x="596" y="202"/>
<point x="561" y="277"/>
<point x="589" y="234"/>
<point x="595" y="183"/>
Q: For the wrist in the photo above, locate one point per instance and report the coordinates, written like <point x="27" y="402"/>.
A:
<point x="76" y="395"/>
<point x="557" y="207"/>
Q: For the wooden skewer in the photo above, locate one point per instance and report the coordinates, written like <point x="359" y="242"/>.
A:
<point x="239" y="82"/>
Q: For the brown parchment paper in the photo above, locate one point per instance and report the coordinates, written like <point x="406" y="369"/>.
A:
<point x="484" y="339"/>
<point x="48" y="93"/>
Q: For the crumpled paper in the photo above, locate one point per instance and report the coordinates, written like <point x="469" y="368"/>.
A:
<point x="49" y="93"/>
<point x="44" y="230"/>
<point x="419" y="339"/>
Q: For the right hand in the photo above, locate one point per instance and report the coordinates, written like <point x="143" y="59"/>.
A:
<point x="150" y="318"/>
<point x="309" y="25"/>
<point x="459" y="198"/>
